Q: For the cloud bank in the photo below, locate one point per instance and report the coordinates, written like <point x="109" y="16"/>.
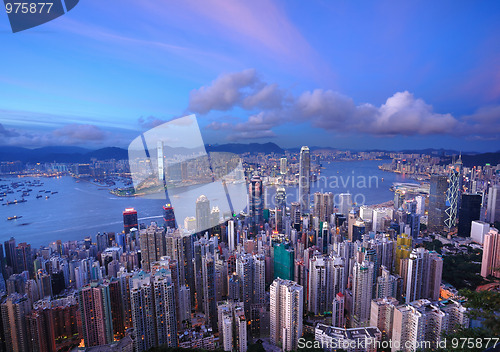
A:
<point x="269" y="106"/>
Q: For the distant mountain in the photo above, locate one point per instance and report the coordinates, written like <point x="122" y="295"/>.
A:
<point x="59" y="154"/>
<point x="108" y="153"/>
<point x="239" y="148"/>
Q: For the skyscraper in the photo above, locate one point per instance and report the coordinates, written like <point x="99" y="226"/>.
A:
<point x="323" y="205"/>
<point x="283" y="166"/>
<point x="453" y="194"/>
<point x="130" y="219"/>
<point x="437" y="202"/>
<point x="209" y="300"/>
<point x="143" y="311"/>
<point x="304" y="179"/>
<point x="202" y="213"/>
<point x="491" y="254"/>
<point x="362" y="289"/>
<point x="338" y="308"/>
<point x="493" y="207"/>
<point x="164" y="306"/>
<point x="256" y="199"/>
<point x="169" y="216"/>
<point x="95" y="311"/>
<point x="470" y="210"/>
<point x="13" y="310"/>
<point x="345" y="203"/>
<point x="286" y="313"/>
<point x="425" y="271"/>
<point x="153" y="245"/>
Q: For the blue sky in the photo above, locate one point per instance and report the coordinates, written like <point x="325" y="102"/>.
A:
<point x="347" y="74"/>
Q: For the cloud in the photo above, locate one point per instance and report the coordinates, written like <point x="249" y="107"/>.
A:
<point x="72" y="134"/>
<point x="401" y="114"/>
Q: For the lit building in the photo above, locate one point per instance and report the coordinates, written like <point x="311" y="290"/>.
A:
<point x="256" y="199"/>
<point x="169" y="216"/>
<point x="453" y="194"/>
<point x="95" y="310"/>
<point x="491" y="254"/>
<point x="362" y="289"/>
<point x="304" y="179"/>
<point x="129" y="219"/>
<point x="437" y="202"/>
<point x="14" y="309"/>
<point x="286" y="313"/>
<point x="283" y="166"/>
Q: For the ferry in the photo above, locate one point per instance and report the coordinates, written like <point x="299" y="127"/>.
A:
<point x="14" y="217"/>
<point x="47" y="197"/>
<point x="39" y="196"/>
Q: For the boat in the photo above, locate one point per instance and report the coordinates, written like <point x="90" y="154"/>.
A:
<point x="54" y="192"/>
<point x="14" y="217"/>
<point x="39" y="196"/>
<point x="47" y="197"/>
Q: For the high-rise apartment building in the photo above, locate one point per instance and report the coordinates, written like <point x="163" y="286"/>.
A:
<point x="286" y="313"/>
<point x="491" y="254"/>
<point x="362" y="289"/>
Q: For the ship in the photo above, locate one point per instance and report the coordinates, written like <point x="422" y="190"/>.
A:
<point x="14" y="217"/>
<point x="38" y="196"/>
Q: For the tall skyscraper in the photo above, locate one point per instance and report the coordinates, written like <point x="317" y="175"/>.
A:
<point x="244" y="269"/>
<point x="283" y="261"/>
<point x="14" y="309"/>
<point x="143" y="311"/>
<point x="345" y="203"/>
<point x="493" y="205"/>
<point x="491" y="254"/>
<point x="283" y="166"/>
<point x="304" y="179"/>
<point x="169" y="216"/>
<point x="362" y="289"/>
<point x="280" y="199"/>
<point x="95" y="311"/>
<point x="453" y="194"/>
<point x="160" y="161"/>
<point x="202" y="213"/>
<point x="209" y="299"/>
<point x="231" y="238"/>
<point x="425" y="271"/>
<point x="256" y="199"/>
<point x="286" y="313"/>
<point x="153" y="245"/>
<point x="130" y="219"/>
<point x="470" y="210"/>
<point x="165" y="306"/>
<point x="437" y="202"/>
<point x="323" y="205"/>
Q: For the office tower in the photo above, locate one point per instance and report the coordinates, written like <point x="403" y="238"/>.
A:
<point x="323" y="205"/>
<point x="387" y="284"/>
<point x="95" y="312"/>
<point x="425" y="270"/>
<point x="420" y="205"/>
<point x="338" y="307"/>
<point x="169" y="216"/>
<point x="345" y="203"/>
<point x="280" y="200"/>
<point x="283" y="261"/>
<point x="437" y="202"/>
<point x="453" y="194"/>
<point x="14" y="309"/>
<point x="153" y="245"/>
<point x="478" y="230"/>
<point x="209" y="300"/>
<point x="256" y="199"/>
<point x="231" y="239"/>
<point x="160" y="160"/>
<point x="493" y="205"/>
<point x="356" y="339"/>
<point x="413" y="221"/>
<point x="365" y="213"/>
<point x="10" y="254"/>
<point x="164" y="308"/>
<point x="304" y="179"/>
<point x="491" y="254"/>
<point x="202" y="213"/>
<point x="358" y="230"/>
<point x="259" y="279"/>
<point x="362" y="289"/>
<point x="24" y="259"/>
<point x="143" y="311"/>
<point x="283" y="166"/>
<point x="130" y="219"/>
<point x="470" y="210"/>
<point x="381" y="315"/>
<point x="286" y="313"/>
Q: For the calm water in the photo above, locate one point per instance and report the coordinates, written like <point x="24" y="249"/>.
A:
<point x="80" y="209"/>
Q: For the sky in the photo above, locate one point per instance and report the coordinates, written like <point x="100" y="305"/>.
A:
<point x="346" y="74"/>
